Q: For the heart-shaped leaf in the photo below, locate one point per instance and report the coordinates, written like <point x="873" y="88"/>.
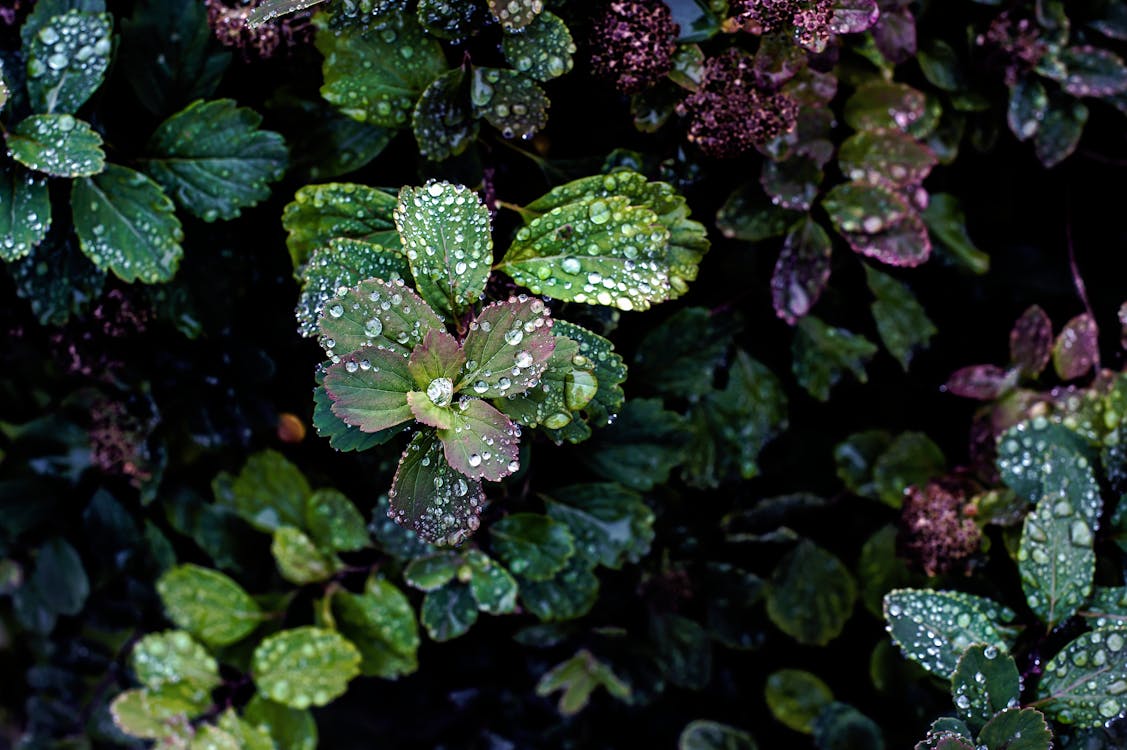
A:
<point x="430" y="497"/>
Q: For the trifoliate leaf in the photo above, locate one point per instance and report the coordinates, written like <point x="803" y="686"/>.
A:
<point x="170" y="55"/>
<point x="443" y="121"/>
<point x="431" y="572"/>
<point x="515" y="15"/>
<point x="611" y="525"/>
<point x="369" y="389"/>
<point x="67" y="60"/>
<point x="641" y="448"/>
<point x="918" y="618"/>
<point x="25" y="211"/>
<point x="1060" y="130"/>
<point x="1027" y="108"/>
<point x="712" y="735"/>
<point x="208" y="604"/>
<point x="381" y="623"/>
<point x="377" y="77"/>
<point x="533" y="546"/>
<point x="1086" y="683"/>
<point x="493" y="588"/>
<point x="481" y="442"/>
<point x="609" y="372"/>
<point x="430" y="497"/>
<point x="679" y="357"/>
<point x="320" y="213"/>
<point x="796" y="697"/>
<point x="298" y="559"/>
<point x="126" y="224"/>
<point x="59" y="145"/>
<point x="305" y="666"/>
<point x="173" y="658"/>
<point x="577" y="678"/>
<point x="901" y="320"/>
<point x="822" y="354"/>
<point x="811" y="595"/>
<point x="334" y="522"/>
<point x="802" y="271"/>
<point x="447" y="237"/>
<point x="947" y="227"/>
<point x="387" y="315"/>
<point x="342" y="264"/>
<point x="542" y="50"/>
<point x="448" y="612"/>
<point x="984" y="683"/>
<point x="508" y="347"/>
<point x="269" y="492"/>
<point x="841" y="727"/>
<point x="886" y="156"/>
<point x="152" y="715"/>
<point x="509" y="101"/>
<point x="289" y="727"/>
<point x="566" y="596"/>
<point x="214" y="160"/>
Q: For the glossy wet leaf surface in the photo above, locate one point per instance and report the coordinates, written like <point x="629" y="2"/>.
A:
<point x="26" y="213"/>
<point x="306" y="666"/>
<point x="58" y="145"/>
<point x="811" y="595"/>
<point x="430" y="497"/>
<point x="320" y="213"/>
<point x="208" y="604"/>
<point x="67" y="59"/>
<point x="935" y="628"/>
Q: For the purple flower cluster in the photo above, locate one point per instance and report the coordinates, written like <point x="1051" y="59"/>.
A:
<point x="936" y="531"/>
<point x="228" y="21"/>
<point x="632" y="43"/>
<point x="809" y="18"/>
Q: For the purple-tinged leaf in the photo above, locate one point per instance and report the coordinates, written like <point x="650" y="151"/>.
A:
<point x="376" y="313"/>
<point x="429" y="411"/>
<point x="802" y="271"/>
<point x="811" y="88"/>
<point x="981" y="382"/>
<point x="1093" y="72"/>
<point x="508" y="347"/>
<point x="905" y="244"/>
<point x="792" y="184"/>
<point x="895" y="35"/>
<point x="853" y="16"/>
<point x="1076" y="349"/>
<point x="1027" y="108"/>
<point x="482" y="443"/>
<point x="866" y="209"/>
<point x="778" y="60"/>
<point x="369" y="389"/>
<point x="430" y="497"/>
<point x="1031" y="341"/>
<point x="885" y="157"/>
<point x="1114" y="24"/>
<point x="438" y="357"/>
<point x="1060" y="131"/>
<point x="884" y="105"/>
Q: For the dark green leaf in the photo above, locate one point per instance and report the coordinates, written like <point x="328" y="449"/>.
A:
<point x="792" y="184"/>
<point x="334" y="523"/>
<point x="376" y="314"/>
<point x="884" y="105"/>
<point x="577" y="678"/>
<point x="342" y="264"/>
<point x="679" y="357"/>
<point x="947" y="226"/>
<point x="1060" y="131"/>
<point x="208" y="604"/>
<point x="305" y="666"/>
<point x="935" y="628"/>
<point x="1028" y="105"/>
<point x="880" y="569"/>
<point x="1107" y="607"/>
<point x="1031" y="450"/>
<point x="823" y="353"/>
<point x="748" y="215"/>
<point x="542" y="50"/>
<point x="842" y="727"/>
<point x="1016" y="729"/>
<point x="811" y="595"/>
<point x="684" y="652"/>
<point x="984" y="683"/>
<point x="796" y="697"/>
<point x="448" y="612"/>
<point x="912" y="458"/>
<point x="901" y="320"/>
<point x="320" y="213"/>
<point x="443" y="122"/>
<point x="431" y="572"/>
<point x="269" y="492"/>
<point x="59" y="145"/>
<point x="290" y="728"/>
<point x="343" y="436"/>
<point x="509" y="101"/>
<point x="67" y="60"/>
<point x="567" y="596"/>
<point x="26" y="213"/>
<point x="855" y="457"/>
<point x="641" y="448"/>
<point x="431" y="498"/>
<point x="941" y="66"/>
<point x="516" y="15"/>
<point x="533" y="546"/>
<point x="611" y="524"/>
<point x="712" y="735"/>
<point x="381" y="624"/>
<point x="59" y="579"/>
<point x="493" y="588"/>
<point x="1086" y="683"/>
<point x="609" y="372"/>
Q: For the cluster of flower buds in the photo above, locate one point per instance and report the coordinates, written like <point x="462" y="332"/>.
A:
<point x="228" y="21"/>
<point x="808" y="18"/>
<point x="936" y="531"/>
<point x="1017" y="42"/>
<point x="632" y="43"/>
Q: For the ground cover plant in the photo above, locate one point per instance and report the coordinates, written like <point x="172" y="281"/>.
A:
<point x="552" y="374"/>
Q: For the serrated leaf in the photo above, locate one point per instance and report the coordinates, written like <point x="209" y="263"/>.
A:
<point x="577" y="678"/>
<point x="823" y="353"/>
<point x="343" y="436"/>
<point x="298" y="559"/>
<point x="269" y="492"/>
<point x="291" y="729"/>
<point x="172" y="658"/>
<point x="306" y="666"/>
<point x="385" y="315"/>
<point x="481" y="442"/>
<point x="56" y="279"/>
<point x="748" y="215"/>
<point x="446" y="233"/>
<point x="342" y="264"/>
<point x="436" y="365"/>
<point x="369" y="388"/>
<point x="565" y="387"/>
<point x="679" y="357"/>
<point x="542" y="50"/>
<point x="214" y="160"/>
<point x="450" y="20"/>
<point x="448" y="612"/>
<point x="1107" y="607"/>
<point x="568" y="595"/>
<point x="25" y="216"/>
<point x="381" y="624"/>
<point x="152" y="715"/>
<point x="247" y="736"/>
<point x="609" y="372"/>
<point x="1076" y="349"/>
<point x="611" y="525"/>
<point x="901" y="320"/>
<point x="796" y="697"/>
<point x="1030" y="450"/>
<point x="509" y="101"/>
<point x="641" y="448"/>
<point x="443" y="122"/>
<point x="802" y="271"/>
<point x="431" y="572"/>
<point x="67" y="60"/>
<point x="378" y="77"/>
<point x="126" y="224"/>
<point x="170" y="56"/>
<point x="912" y="458"/>
<point x="947" y="227"/>
<point x="811" y="595"/>
<point x="712" y="735"/>
<point x="1027" y="107"/>
<point x="320" y="213"/>
<point x="493" y="588"/>
<point x="59" y="145"/>
<point x="1060" y="131"/>
<point x="918" y="618"/>
<point x="533" y="546"/>
<point x="334" y="522"/>
<point x="1016" y="729"/>
<point x="508" y="347"/>
<point x="208" y="604"/>
<point x="842" y="727"/>
<point x="430" y="497"/>
<point x="984" y="683"/>
<point x="515" y="15"/>
<point x="1086" y="683"/>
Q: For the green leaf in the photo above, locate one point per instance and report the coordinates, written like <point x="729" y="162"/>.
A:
<point x="577" y="678"/>
<point x="855" y="457"/>
<point x="170" y="658"/>
<point x="565" y="387"/>
<point x="448" y="612"/>
<point x="334" y="523"/>
<point x="342" y="264"/>
<point x="327" y="143"/>
<point x="446" y="232"/>
<point x="57" y="279"/>
<point x="567" y="596"/>
<point x="515" y="15"/>
<point x="291" y="729"/>
<point x="1060" y="131"/>
<point x="378" y="77"/>
<point x="680" y="357"/>
<point x="901" y="320"/>
<point x="796" y="697"/>
<point x="126" y="224"/>
<point x="1030" y="450"/>
<point x="1107" y="607"/>
<point x="508" y="347"/>
<point x="1027" y="108"/>
<point x="684" y="653"/>
<point x="1016" y="729"/>
<point x="947" y="227"/>
<point x="542" y="50"/>
<point x="880" y="570"/>
<point x="214" y="160"/>
<point x="642" y="447"/>
<point x="430" y="497"/>
<point x="533" y="546"/>
<point x="1086" y="683"/>
<point x="208" y="604"/>
<point x="493" y="588"/>
<point x="888" y="157"/>
<point x="912" y="458"/>
<point x="152" y="715"/>
<point x="269" y="492"/>
<point x="842" y="727"/>
<point x="247" y="736"/>
<point x="369" y="388"/>
<point x="811" y="595"/>
<point x="984" y="683"/>
<point x="712" y="735"/>
<point x="305" y="666"/>
<point x="26" y="214"/>
<point x="343" y="436"/>
<point x="320" y="213"/>
<point x="1076" y="349"/>
<point x="59" y="145"/>
<point x="386" y="315"/>
<point x="170" y="55"/>
<point x="67" y="60"/>
<point x="480" y="442"/>
<point x="747" y="215"/>
<point x="941" y="66"/>
<point x="381" y="623"/>
<point x="822" y="354"/>
<point x="609" y="372"/>
<point x="878" y="223"/>
<point x="884" y="105"/>
<point x="611" y="524"/>
<point x="298" y="559"/>
<point x="446" y="19"/>
<point x="210" y="737"/>
<point x="59" y="580"/>
<point x="443" y="122"/>
<point x="509" y="101"/>
<point x="935" y="628"/>
<point x="431" y="572"/>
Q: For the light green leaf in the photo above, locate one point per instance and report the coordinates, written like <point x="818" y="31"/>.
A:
<point x="515" y="15"/>
<point x="811" y="595"/>
<point x="305" y="666"/>
<point x="984" y="683"/>
<point x="269" y="492"/>
<point x="208" y="604"/>
<point x="542" y="50"/>
<point x="1086" y="683"/>
<point x="67" y="60"/>
<point x="679" y="358"/>
<point x="712" y="735"/>
<point x="447" y="236"/>
<point x="378" y="77"/>
<point x="567" y="596"/>
<point x="171" y="658"/>
<point x="290" y="728"/>
<point x="210" y="737"/>
<point x="1016" y="729"/>
<point x="430" y="497"/>
<point x="642" y="447"/>
<point x="443" y="122"/>
<point x="917" y="618"/>
<point x="153" y="715"/>
<point x="59" y="145"/>
<point x="320" y="213"/>
<point x="533" y="546"/>
<point x="126" y="224"/>
<point x="342" y="264"/>
<point x="823" y="353"/>
<point x="298" y="559"/>
<point x="796" y="697"/>
<point x="901" y="320"/>
<point x="377" y="314"/>
<point x="248" y="736"/>
<point x="509" y="101"/>
<point x="381" y="624"/>
<point x="431" y="572"/>
<point x="577" y="678"/>
<point x="25" y="211"/>
<point x="508" y="347"/>
<point x="611" y="525"/>
<point x="334" y="522"/>
<point x="448" y="612"/>
<point x="493" y="588"/>
<point x="214" y="160"/>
